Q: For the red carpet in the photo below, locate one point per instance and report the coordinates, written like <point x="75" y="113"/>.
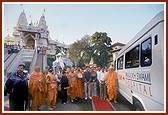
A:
<point x="101" y="105"/>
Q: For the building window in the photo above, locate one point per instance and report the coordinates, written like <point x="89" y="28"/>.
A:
<point x="146" y="53"/>
<point x="120" y="63"/>
<point x="132" y="58"/>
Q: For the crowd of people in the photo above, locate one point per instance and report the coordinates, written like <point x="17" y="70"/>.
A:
<point x="74" y="84"/>
<point x="12" y="48"/>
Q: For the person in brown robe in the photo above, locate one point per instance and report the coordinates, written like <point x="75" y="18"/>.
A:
<point x="111" y="83"/>
<point x="73" y="85"/>
<point x="80" y="83"/>
<point x="36" y="89"/>
<point x="44" y="74"/>
<point x="52" y="89"/>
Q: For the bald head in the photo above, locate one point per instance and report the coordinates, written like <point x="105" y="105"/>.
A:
<point x="37" y="69"/>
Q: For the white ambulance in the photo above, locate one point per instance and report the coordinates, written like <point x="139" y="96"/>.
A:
<point x="140" y="67"/>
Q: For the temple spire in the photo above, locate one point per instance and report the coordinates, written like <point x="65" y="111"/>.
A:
<point x="22" y="21"/>
<point x="42" y="22"/>
<point x="21" y="5"/>
<point x="44" y="11"/>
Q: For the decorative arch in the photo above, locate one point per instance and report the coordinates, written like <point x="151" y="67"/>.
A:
<point x="30" y="35"/>
<point x="29" y="40"/>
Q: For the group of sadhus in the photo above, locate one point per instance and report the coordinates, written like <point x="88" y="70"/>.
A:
<point x="43" y="87"/>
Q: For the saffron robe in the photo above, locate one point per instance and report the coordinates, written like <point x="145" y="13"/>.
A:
<point x="73" y="85"/>
<point x="111" y="83"/>
<point x="52" y="89"/>
<point x="80" y="84"/>
<point x="36" y="90"/>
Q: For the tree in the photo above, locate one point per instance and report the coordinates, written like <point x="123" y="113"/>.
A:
<point x="80" y="63"/>
<point x="101" y="45"/>
<point x="74" y="51"/>
<point x="97" y="46"/>
<point x="81" y="50"/>
<point x="87" y="49"/>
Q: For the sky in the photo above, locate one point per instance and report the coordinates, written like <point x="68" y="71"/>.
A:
<point x="69" y="22"/>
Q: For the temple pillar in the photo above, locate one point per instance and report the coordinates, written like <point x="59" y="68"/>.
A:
<point x="36" y="40"/>
<point x="21" y="40"/>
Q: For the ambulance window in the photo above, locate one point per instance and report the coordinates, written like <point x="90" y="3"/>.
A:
<point x="120" y="63"/>
<point x="156" y="39"/>
<point x="132" y="58"/>
<point x="146" y="53"/>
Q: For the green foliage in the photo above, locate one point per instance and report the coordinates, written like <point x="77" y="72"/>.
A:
<point x="80" y="63"/>
<point x="101" y="45"/>
<point x="97" y="46"/>
<point x="81" y="49"/>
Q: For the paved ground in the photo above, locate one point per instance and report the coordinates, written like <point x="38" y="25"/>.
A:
<point x="122" y="105"/>
<point x="80" y="105"/>
<point x="83" y="105"/>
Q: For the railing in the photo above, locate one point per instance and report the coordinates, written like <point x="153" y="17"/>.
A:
<point x="6" y="57"/>
<point x="12" y="62"/>
<point x="23" y="56"/>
